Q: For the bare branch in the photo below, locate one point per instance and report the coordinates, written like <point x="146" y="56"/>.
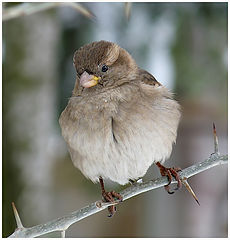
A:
<point x="63" y="223"/>
<point x="31" y="8"/>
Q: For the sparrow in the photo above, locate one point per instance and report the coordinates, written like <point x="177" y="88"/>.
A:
<point x="119" y="120"/>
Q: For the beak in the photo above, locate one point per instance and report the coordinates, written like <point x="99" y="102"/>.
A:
<point x="87" y="80"/>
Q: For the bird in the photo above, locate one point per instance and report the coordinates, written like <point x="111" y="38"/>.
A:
<point x="119" y="120"/>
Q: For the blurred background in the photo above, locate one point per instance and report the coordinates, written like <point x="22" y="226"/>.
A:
<point x="184" y="45"/>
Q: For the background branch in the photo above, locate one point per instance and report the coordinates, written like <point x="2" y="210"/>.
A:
<point x="31" y="8"/>
<point x="62" y="224"/>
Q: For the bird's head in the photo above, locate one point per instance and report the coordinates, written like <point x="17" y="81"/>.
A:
<point x="103" y="64"/>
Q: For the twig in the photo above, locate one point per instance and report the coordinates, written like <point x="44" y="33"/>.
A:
<point x="62" y="224"/>
<point x="31" y="8"/>
<point x="128" y="6"/>
<point x="63" y="234"/>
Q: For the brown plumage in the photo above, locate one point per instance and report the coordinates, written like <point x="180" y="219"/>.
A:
<point x="119" y="119"/>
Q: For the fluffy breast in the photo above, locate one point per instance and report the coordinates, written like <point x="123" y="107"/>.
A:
<point x="119" y="138"/>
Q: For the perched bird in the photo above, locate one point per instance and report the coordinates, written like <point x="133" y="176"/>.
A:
<point x="120" y="119"/>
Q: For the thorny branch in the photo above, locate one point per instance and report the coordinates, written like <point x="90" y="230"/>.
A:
<point x="63" y="223"/>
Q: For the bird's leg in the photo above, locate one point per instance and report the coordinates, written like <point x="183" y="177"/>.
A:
<point x="170" y="172"/>
<point x="109" y="197"/>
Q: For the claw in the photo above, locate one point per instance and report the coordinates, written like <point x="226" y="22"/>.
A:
<point x="112" y="209"/>
<point x="175" y="174"/>
<point x="170" y="172"/>
<point x="109" y="197"/>
<point x="167" y="188"/>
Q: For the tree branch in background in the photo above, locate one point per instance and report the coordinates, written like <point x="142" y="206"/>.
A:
<point x="63" y="223"/>
<point x="128" y="6"/>
<point x="24" y="9"/>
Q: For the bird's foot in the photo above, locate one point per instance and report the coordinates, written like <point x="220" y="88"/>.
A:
<point x="110" y="197"/>
<point x="170" y="172"/>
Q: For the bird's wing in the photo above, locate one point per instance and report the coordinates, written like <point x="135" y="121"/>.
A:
<point x="148" y="78"/>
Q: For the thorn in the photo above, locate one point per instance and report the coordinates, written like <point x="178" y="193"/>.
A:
<point x="16" y="215"/>
<point x="188" y="187"/>
<point x="63" y="234"/>
<point x="214" y="128"/>
<point x="216" y="148"/>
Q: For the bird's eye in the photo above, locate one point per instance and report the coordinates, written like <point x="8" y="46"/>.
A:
<point x="104" y="68"/>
